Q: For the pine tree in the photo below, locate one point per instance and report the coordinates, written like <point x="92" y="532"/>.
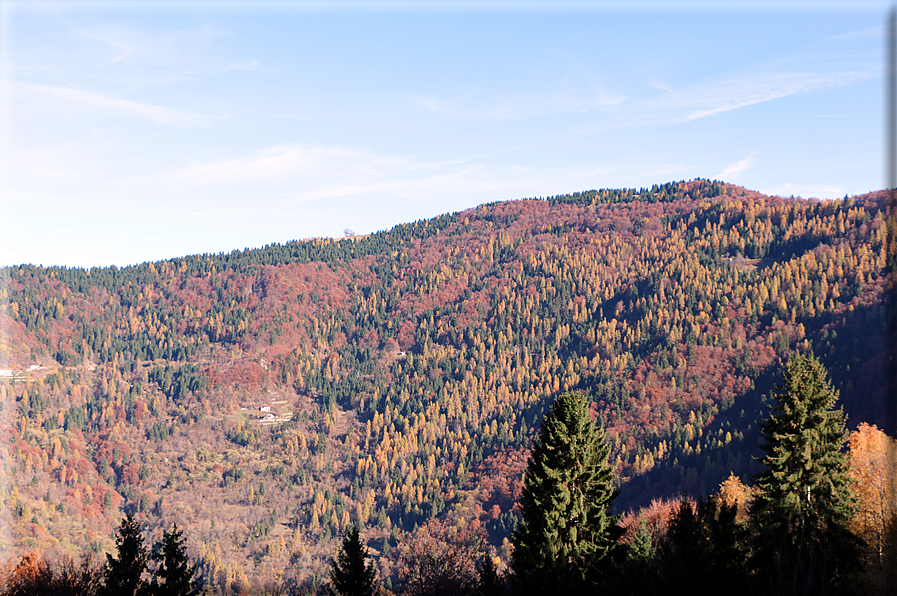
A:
<point x="567" y="536"/>
<point x="174" y="576"/>
<point x="351" y="573"/>
<point x="124" y="573"/>
<point x="804" y="504"/>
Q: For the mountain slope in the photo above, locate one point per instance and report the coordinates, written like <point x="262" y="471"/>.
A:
<point x="265" y="399"/>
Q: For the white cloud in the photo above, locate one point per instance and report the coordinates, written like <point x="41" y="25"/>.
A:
<point x="290" y="174"/>
<point x="823" y="65"/>
<point x="156" y="113"/>
<point x="741" y="91"/>
<point x="736" y="168"/>
<point x="308" y="163"/>
<point x="165" y="48"/>
<point x="272" y="162"/>
<point x="660" y="85"/>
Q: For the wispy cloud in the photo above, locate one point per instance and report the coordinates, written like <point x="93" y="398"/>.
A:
<point x="292" y="174"/>
<point x="736" y="92"/>
<point x="311" y="165"/>
<point x="147" y="47"/>
<point x="137" y="57"/>
<point x="277" y="161"/>
<point x="828" y="63"/>
<point x="736" y="168"/>
<point x="823" y="65"/>
<point x="156" y="113"/>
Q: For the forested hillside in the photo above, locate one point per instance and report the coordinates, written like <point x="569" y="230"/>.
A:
<point x="266" y="400"/>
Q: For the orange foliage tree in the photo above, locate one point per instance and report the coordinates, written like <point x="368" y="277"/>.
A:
<point x="873" y="469"/>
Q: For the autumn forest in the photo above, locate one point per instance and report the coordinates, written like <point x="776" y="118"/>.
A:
<point x="267" y="401"/>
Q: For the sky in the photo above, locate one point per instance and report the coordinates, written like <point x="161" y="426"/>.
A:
<point x="141" y="131"/>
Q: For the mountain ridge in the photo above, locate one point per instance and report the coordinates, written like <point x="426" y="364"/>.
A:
<point x="415" y="364"/>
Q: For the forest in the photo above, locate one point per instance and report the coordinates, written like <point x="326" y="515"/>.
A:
<point x="266" y="401"/>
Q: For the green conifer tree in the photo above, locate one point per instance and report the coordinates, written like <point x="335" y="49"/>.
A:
<point x="801" y="514"/>
<point x="702" y="552"/>
<point x="351" y="573"/>
<point x="642" y="547"/>
<point x="567" y="536"/>
<point x="174" y="576"/>
<point x="639" y="569"/>
<point x="124" y="573"/>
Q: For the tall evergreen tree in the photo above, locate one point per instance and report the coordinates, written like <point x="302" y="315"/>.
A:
<point x="174" y="576"/>
<point x="351" y="573"/>
<point x="567" y="536"/>
<point x="124" y="573"/>
<point x="703" y="551"/>
<point x="801" y="514"/>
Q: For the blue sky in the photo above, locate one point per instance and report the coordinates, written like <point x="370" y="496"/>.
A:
<point x="143" y="131"/>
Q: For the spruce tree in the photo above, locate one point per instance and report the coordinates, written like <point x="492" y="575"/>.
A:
<point x="351" y="573"/>
<point x="174" y="576"/>
<point x="801" y="514"/>
<point x="567" y="536"/>
<point x="124" y="573"/>
<point x="642" y="547"/>
<point x="702" y="552"/>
